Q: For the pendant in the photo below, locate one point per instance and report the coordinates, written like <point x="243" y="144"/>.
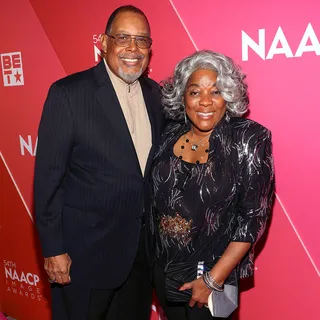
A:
<point x="194" y="147"/>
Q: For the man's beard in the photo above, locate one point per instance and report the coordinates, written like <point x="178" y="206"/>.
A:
<point x="129" y="77"/>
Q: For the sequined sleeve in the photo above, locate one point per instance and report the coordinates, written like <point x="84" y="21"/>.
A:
<point x="256" y="190"/>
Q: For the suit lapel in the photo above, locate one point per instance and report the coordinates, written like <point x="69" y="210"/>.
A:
<point x="108" y="100"/>
<point x="151" y="105"/>
<point x="148" y="96"/>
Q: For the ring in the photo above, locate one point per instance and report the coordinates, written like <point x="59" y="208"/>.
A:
<point x="52" y="280"/>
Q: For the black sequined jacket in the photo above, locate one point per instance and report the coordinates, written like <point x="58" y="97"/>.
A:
<point x="200" y="208"/>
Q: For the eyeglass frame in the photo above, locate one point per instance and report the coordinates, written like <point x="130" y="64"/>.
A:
<point x="134" y="37"/>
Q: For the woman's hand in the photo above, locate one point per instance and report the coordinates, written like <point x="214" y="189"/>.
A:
<point x="200" y="292"/>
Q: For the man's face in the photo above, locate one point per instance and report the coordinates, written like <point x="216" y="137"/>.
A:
<point x="128" y="63"/>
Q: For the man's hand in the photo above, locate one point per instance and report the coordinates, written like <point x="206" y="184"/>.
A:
<point x="58" y="268"/>
<point x="200" y="292"/>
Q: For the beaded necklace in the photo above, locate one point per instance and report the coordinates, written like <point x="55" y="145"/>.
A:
<point x="194" y="146"/>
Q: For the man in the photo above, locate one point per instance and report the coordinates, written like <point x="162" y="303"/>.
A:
<point x="98" y="132"/>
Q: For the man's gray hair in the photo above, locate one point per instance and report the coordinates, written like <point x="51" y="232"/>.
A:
<point x="230" y="82"/>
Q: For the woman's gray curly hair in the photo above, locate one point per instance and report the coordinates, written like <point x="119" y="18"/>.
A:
<point x="230" y="82"/>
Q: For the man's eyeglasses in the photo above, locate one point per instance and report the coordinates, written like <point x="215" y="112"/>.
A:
<point x="124" y="40"/>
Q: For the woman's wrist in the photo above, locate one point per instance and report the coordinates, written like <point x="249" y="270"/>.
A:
<point x="218" y="279"/>
<point x="211" y="283"/>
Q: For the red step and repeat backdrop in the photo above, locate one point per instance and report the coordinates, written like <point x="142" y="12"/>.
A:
<point x="276" y="43"/>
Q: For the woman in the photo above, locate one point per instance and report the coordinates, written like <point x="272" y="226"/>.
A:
<point x="213" y="183"/>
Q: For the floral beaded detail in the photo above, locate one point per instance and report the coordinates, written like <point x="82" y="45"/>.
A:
<point x="176" y="227"/>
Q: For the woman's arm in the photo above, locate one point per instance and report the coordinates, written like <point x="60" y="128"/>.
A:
<point x="229" y="260"/>
<point x="256" y="190"/>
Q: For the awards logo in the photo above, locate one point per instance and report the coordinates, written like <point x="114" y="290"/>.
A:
<point x="12" y="71"/>
<point x="22" y="283"/>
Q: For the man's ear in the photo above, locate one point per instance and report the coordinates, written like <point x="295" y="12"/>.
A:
<point x="104" y="42"/>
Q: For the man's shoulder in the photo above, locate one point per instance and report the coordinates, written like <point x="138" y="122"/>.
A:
<point x="77" y="80"/>
<point x="150" y="82"/>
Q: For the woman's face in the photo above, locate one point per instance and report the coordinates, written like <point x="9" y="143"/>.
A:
<point x="204" y="104"/>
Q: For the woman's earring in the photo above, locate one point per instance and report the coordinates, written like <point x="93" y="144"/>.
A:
<point x="185" y="116"/>
<point x="227" y="116"/>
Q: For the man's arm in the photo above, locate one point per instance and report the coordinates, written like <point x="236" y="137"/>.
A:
<point x="52" y="159"/>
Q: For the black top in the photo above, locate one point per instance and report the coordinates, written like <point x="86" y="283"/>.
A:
<point x="201" y="208"/>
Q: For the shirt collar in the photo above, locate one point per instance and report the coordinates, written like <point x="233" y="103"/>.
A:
<point x="132" y="87"/>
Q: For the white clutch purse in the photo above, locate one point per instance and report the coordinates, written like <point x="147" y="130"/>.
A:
<point x="222" y="304"/>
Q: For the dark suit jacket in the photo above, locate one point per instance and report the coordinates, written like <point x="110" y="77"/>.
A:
<point x="90" y="195"/>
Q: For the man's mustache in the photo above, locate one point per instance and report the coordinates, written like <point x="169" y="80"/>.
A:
<point x="131" y="56"/>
